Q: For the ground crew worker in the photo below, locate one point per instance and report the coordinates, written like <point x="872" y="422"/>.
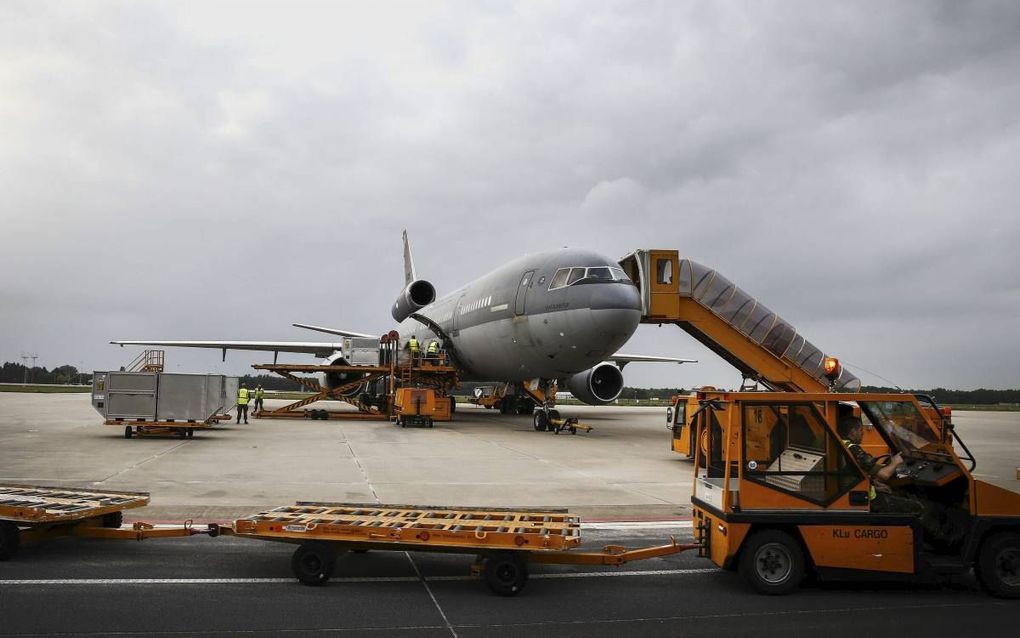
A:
<point x="259" y="395"/>
<point x="935" y="518"/>
<point x="242" y="403"/>
<point x="412" y="345"/>
<point x="433" y="350"/>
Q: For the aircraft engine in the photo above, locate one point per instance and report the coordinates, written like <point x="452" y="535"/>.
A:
<point x="336" y="379"/>
<point x="413" y="298"/>
<point x="598" y="386"/>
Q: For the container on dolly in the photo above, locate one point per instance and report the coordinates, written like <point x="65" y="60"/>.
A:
<point x="148" y="403"/>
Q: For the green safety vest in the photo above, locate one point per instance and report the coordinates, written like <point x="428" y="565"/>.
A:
<point x="412" y="343"/>
<point x="434" y="348"/>
<point x="259" y="393"/>
<point x="242" y="396"/>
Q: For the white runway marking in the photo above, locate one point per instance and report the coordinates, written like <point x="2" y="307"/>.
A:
<point x="35" y="582"/>
<point x="640" y="525"/>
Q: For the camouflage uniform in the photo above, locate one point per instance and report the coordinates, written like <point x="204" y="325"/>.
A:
<point x="934" y="518"/>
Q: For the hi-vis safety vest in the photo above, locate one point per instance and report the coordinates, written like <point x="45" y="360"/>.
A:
<point x="412" y="343"/>
<point x="433" y="348"/>
<point x="871" y="491"/>
<point x="259" y="393"/>
<point x="242" y="396"/>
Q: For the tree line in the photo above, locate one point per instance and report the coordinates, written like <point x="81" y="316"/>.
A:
<point x="19" y="373"/>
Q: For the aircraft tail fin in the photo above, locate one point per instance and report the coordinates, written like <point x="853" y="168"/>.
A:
<point x="409" y="273"/>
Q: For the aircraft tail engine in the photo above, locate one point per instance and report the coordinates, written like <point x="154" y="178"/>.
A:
<point x="413" y="298"/>
<point x="598" y="386"/>
<point x="336" y="379"/>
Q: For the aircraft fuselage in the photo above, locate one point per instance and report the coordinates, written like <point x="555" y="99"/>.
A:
<point x="514" y="324"/>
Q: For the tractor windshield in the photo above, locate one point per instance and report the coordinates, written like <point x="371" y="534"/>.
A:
<point x="905" y="424"/>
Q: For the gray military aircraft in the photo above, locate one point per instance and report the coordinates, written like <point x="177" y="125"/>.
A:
<point x="557" y="316"/>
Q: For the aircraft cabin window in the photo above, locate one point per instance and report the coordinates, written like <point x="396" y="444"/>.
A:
<point x="559" y="279"/>
<point x="576" y="274"/>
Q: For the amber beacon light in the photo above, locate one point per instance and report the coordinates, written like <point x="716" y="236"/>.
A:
<point x="831" y="368"/>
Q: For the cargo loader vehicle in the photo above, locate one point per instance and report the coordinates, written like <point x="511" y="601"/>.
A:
<point x="778" y="494"/>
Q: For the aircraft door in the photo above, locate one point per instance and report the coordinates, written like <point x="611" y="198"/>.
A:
<point x="522" y="292"/>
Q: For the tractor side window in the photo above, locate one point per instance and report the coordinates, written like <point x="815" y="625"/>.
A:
<point x="790" y="449"/>
<point x="559" y="279"/>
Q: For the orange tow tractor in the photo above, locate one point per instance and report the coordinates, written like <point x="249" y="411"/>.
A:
<point x="778" y="495"/>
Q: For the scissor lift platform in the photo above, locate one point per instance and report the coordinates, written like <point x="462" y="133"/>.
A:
<point x="504" y="540"/>
<point x="31" y="513"/>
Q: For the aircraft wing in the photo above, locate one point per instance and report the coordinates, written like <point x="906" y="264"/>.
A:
<point x="317" y="348"/>
<point x="333" y="331"/>
<point x="621" y="359"/>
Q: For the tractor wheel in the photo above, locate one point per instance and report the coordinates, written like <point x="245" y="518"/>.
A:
<point x="998" y="565"/>
<point x="10" y="539"/>
<point x="541" y="421"/>
<point x="313" y="562"/>
<point x="772" y="562"/>
<point x="506" y="573"/>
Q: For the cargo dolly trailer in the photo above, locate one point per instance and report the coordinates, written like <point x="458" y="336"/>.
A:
<point x="31" y="514"/>
<point x="503" y="541"/>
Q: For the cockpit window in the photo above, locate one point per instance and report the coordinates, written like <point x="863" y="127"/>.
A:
<point x="593" y="274"/>
<point x="559" y="279"/>
<point x="599" y="274"/>
<point x="576" y="274"/>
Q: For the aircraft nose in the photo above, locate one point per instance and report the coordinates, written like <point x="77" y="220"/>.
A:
<point x="615" y="297"/>
<point x="616" y="311"/>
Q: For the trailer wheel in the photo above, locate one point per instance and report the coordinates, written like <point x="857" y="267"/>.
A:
<point x="182" y="433"/>
<point x="998" y="565"/>
<point x="113" y="520"/>
<point x="453" y="404"/>
<point x="772" y="562"/>
<point x="191" y="433"/>
<point x="506" y="573"/>
<point x="127" y="431"/>
<point x="10" y="539"/>
<point x="313" y="562"/>
<point x="541" y="421"/>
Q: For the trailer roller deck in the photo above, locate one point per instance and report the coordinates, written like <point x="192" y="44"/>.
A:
<point x="31" y="514"/>
<point x="504" y="541"/>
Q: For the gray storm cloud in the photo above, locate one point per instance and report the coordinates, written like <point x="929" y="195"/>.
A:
<point x="222" y="170"/>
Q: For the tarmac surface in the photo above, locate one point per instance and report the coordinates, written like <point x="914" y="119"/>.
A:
<point x="622" y="470"/>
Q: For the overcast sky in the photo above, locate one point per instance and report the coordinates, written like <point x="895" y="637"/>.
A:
<point x="212" y="170"/>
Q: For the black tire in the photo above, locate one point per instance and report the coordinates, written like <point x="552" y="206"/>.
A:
<point x="540" y="421"/>
<point x="772" y="562"/>
<point x="554" y="414"/>
<point x="113" y="520"/>
<point x="127" y="432"/>
<point x="401" y="421"/>
<point x="191" y="433"/>
<point x="10" y="540"/>
<point x="182" y="433"/>
<point x="313" y="563"/>
<point x="506" y="573"/>
<point x="453" y="404"/>
<point x="998" y="565"/>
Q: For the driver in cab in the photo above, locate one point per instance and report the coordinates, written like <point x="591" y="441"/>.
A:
<point x="883" y="499"/>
